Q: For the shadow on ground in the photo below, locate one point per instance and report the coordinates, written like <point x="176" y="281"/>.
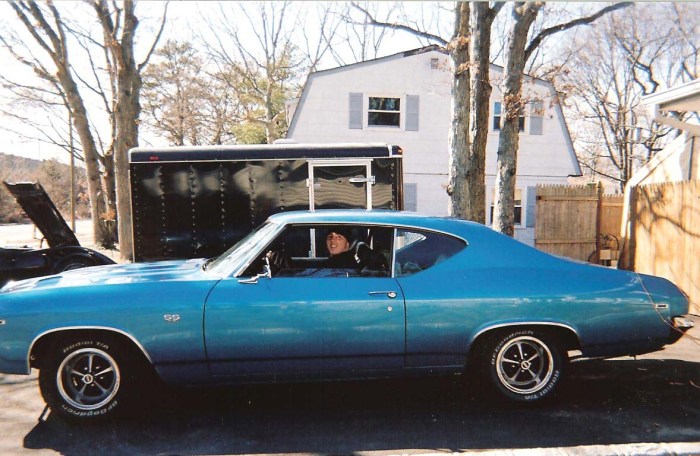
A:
<point x="602" y="402"/>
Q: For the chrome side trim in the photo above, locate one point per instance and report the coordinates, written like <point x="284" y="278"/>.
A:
<point x="73" y="328"/>
<point x="525" y="323"/>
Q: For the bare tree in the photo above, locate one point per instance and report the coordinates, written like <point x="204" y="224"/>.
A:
<point x="481" y="23"/>
<point x="523" y="15"/>
<point x="627" y="56"/>
<point x="262" y="74"/>
<point x="459" y="140"/>
<point x="119" y="28"/>
<point x="518" y="51"/>
<point x="47" y="29"/>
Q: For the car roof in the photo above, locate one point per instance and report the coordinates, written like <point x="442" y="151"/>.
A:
<point x="382" y="217"/>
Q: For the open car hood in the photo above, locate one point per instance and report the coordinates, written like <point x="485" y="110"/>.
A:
<point x="34" y="200"/>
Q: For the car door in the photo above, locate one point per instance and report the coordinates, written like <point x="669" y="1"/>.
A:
<point x="332" y="325"/>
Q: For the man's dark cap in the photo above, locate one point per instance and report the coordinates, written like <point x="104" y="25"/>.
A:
<point x="344" y="231"/>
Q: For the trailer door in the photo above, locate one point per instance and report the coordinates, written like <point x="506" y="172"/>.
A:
<point x="335" y="184"/>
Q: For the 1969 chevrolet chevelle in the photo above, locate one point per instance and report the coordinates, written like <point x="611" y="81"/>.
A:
<point x="415" y="295"/>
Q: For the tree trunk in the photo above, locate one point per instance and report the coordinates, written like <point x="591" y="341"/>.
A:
<point x="524" y="15"/>
<point x="459" y="127"/>
<point x="479" y="51"/>
<point x="128" y="109"/>
<point x="87" y="142"/>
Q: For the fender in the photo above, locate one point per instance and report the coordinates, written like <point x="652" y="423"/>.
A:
<point x="492" y="326"/>
<point x="82" y="328"/>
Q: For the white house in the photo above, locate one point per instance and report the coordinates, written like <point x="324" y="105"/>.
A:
<point x="405" y="99"/>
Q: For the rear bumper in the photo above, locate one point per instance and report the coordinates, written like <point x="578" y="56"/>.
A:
<point x="681" y="324"/>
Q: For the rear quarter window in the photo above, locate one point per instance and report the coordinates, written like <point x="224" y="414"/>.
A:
<point x="418" y="250"/>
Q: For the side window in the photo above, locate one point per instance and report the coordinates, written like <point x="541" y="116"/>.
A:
<point x="328" y="251"/>
<point x="419" y="250"/>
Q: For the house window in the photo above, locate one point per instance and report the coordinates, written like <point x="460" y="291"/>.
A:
<point x="497" y="117"/>
<point x="518" y="210"/>
<point x="384" y="112"/>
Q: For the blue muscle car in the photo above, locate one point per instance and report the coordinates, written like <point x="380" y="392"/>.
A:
<point x="414" y="295"/>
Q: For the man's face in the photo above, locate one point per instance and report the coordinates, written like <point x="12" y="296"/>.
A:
<point x="337" y="243"/>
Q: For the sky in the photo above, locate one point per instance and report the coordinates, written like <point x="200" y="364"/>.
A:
<point x="187" y="20"/>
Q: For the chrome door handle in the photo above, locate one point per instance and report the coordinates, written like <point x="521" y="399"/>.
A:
<point x="391" y="294"/>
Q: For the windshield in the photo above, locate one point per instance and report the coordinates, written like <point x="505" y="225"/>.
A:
<point x="226" y="262"/>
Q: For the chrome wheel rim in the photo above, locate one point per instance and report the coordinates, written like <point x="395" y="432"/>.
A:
<point x="524" y="365"/>
<point x="88" y="379"/>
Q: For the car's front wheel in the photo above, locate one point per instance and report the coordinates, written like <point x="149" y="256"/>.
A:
<point x="523" y="364"/>
<point x="86" y="378"/>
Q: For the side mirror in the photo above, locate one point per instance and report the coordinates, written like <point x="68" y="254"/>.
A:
<point x="267" y="273"/>
<point x="267" y="269"/>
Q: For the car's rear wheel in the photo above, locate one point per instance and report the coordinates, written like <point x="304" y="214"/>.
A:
<point x="523" y="364"/>
<point x="87" y="378"/>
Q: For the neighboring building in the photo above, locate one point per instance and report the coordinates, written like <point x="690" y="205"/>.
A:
<point x="405" y="99"/>
<point x="678" y="161"/>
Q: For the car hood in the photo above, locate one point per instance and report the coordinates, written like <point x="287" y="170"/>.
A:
<point x="34" y="200"/>
<point x="115" y="274"/>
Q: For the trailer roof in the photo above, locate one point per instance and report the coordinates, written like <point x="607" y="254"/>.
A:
<point x="261" y="152"/>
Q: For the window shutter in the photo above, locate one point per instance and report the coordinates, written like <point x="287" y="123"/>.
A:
<point x="412" y="105"/>
<point x="410" y="197"/>
<point x="531" y="198"/>
<point x="355" y="111"/>
<point x="536" y="113"/>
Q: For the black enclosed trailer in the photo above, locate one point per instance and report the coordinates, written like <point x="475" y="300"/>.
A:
<point x="193" y="202"/>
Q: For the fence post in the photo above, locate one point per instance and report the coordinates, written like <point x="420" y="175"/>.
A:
<point x="632" y="240"/>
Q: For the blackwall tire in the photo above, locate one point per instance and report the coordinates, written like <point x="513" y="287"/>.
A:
<point x="87" y="379"/>
<point x="524" y="365"/>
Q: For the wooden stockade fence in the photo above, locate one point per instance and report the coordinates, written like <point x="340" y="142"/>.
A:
<point x="665" y="234"/>
<point x="578" y="222"/>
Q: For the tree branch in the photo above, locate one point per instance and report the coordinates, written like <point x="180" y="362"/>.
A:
<point x="143" y="64"/>
<point x="536" y="41"/>
<point x="394" y="26"/>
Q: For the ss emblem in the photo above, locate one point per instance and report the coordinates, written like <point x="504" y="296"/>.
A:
<point x="171" y="318"/>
